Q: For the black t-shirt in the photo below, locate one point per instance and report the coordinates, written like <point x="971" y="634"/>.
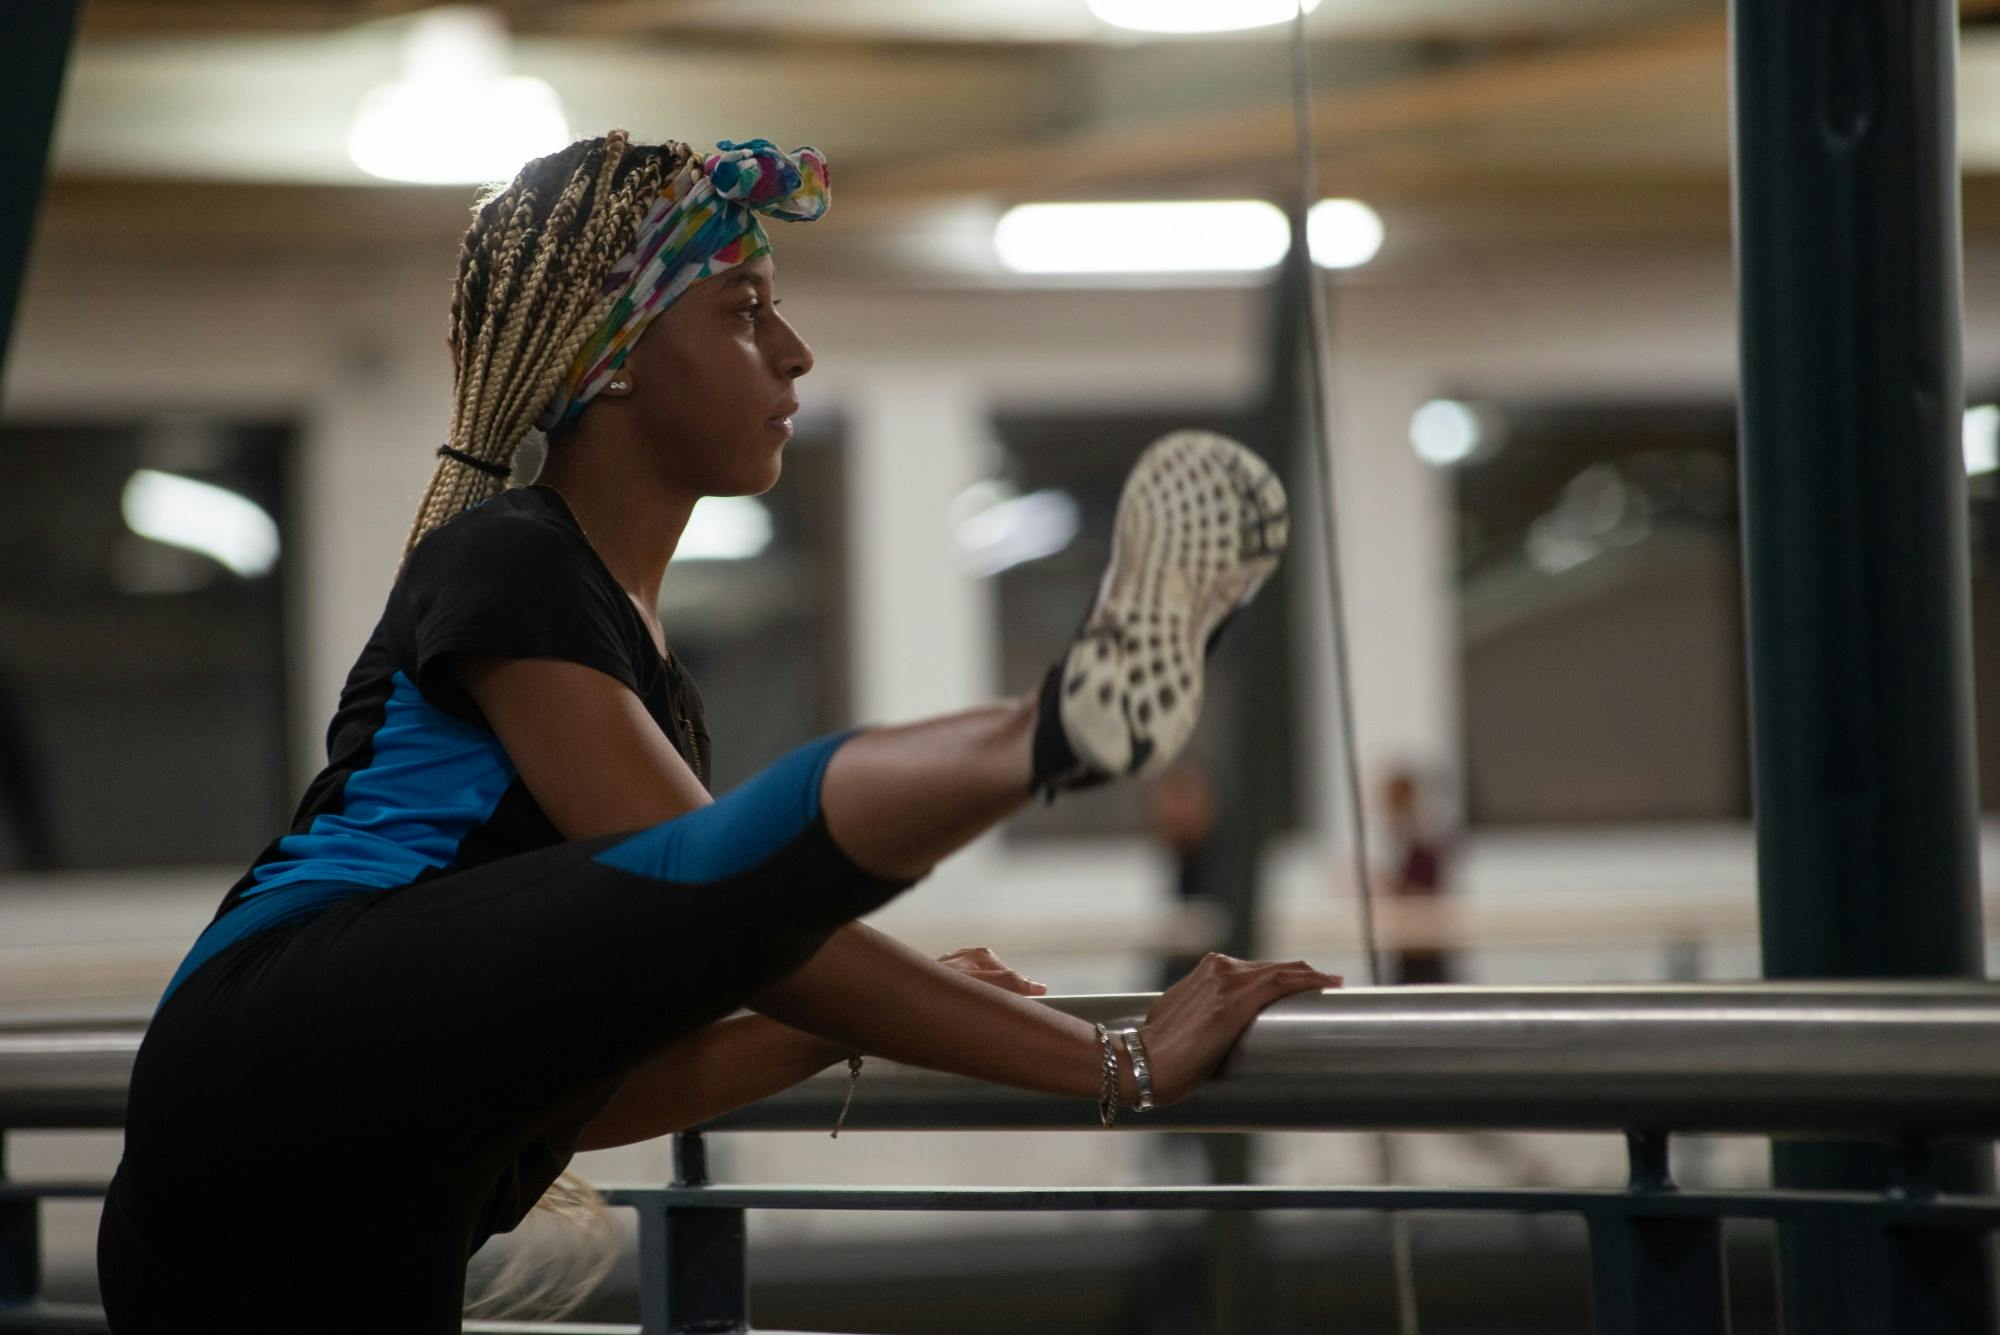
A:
<point x="416" y="784"/>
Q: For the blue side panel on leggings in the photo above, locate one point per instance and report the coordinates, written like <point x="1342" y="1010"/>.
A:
<point x="736" y="831"/>
<point x="430" y="780"/>
<point x="298" y="900"/>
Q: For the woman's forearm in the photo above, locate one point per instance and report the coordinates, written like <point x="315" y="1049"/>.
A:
<point x="867" y="992"/>
<point x="863" y="991"/>
<point x="720" y="1066"/>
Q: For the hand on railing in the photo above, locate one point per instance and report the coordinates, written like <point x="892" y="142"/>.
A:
<point x="983" y="964"/>
<point x="1195" y="1022"/>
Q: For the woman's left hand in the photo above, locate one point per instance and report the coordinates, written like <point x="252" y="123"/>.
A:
<point x="984" y="965"/>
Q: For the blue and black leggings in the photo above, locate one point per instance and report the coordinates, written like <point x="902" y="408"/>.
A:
<point x="330" y="1116"/>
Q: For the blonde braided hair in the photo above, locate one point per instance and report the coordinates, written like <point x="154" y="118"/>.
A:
<point x="527" y="296"/>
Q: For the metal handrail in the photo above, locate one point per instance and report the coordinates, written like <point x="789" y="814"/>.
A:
<point x="1883" y="1059"/>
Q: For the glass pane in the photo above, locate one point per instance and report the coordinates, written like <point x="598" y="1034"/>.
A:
<point x="142" y="674"/>
<point x="1600" y="616"/>
<point x="765" y="635"/>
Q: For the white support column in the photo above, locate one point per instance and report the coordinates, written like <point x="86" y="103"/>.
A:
<point x="366" y="454"/>
<point x="923" y="627"/>
<point x="1395" y="527"/>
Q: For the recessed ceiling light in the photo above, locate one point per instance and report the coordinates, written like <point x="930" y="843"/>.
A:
<point x="1343" y="233"/>
<point x="1192" y="236"/>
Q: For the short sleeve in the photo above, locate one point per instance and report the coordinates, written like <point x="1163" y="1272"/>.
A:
<point x="509" y="585"/>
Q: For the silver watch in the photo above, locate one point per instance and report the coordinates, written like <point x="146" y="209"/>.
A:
<point x="1142" y="1073"/>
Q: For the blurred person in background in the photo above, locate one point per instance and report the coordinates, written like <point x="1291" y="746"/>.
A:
<point x="1418" y="858"/>
<point x="1184" y="814"/>
<point x="508" y="921"/>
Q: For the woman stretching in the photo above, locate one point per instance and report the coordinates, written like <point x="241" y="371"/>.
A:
<point x="508" y="921"/>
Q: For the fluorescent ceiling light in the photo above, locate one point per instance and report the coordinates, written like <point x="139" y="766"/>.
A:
<point x="201" y="517"/>
<point x="456" y="116"/>
<point x="725" y="528"/>
<point x="1982" y="439"/>
<point x="1195" y="236"/>
<point x="1343" y="233"/>
<point x="1196" y="15"/>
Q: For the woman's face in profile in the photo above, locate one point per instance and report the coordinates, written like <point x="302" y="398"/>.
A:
<point x="712" y="384"/>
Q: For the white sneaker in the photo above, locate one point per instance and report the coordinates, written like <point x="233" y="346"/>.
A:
<point x="1201" y="525"/>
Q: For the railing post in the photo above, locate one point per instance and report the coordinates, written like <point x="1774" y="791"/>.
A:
<point x="693" y="1262"/>
<point x="20" y="1242"/>
<point x="1655" y="1274"/>
<point x="1855" y="548"/>
<point x="1932" y="1278"/>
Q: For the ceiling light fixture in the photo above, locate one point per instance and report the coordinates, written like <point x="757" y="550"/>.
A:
<point x="456" y="116"/>
<point x="1343" y="233"/>
<point x="1191" y="236"/>
<point x="1196" y="15"/>
<point x="1183" y="236"/>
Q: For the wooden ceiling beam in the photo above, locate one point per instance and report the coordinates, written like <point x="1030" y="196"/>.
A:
<point x="1261" y="134"/>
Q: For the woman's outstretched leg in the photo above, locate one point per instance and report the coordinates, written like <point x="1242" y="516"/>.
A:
<point x="900" y="799"/>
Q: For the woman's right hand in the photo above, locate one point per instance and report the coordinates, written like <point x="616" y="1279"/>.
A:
<point x="1195" y="1022"/>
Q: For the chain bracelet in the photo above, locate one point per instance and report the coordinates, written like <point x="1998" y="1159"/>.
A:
<point x="1107" y="1101"/>
<point x="853" y="1077"/>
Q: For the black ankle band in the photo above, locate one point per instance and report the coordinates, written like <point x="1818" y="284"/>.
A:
<point x="1054" y="762"/>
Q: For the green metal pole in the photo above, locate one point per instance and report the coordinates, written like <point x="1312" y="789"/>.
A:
<point x="1848" y="271"/>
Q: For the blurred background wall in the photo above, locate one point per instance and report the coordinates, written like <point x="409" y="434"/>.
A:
<point x="1533" y="384"/>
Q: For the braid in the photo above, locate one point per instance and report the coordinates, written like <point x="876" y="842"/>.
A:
<point x="527" y="296"/>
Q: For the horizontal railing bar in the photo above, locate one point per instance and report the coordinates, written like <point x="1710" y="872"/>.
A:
<point x="1970" y="1211"/>
<point x="82" y="1317"/>
<point x="1916" y="1059"/>
<point x="1806" y="1059"/>
<point x="40" y="1315"/>
<point x="550" y="1328"/>
<point x="1886" y="1209"/>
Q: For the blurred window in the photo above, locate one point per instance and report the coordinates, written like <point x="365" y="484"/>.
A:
<point x="1061" y="474"/>
<point x="142" y="666"/>
<point x="1600" y="616"/>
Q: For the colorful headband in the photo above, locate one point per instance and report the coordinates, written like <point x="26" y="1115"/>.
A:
<point x="704" y="221"/>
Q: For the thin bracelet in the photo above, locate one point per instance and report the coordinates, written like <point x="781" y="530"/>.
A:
<point x="853" y="1077"/>
<point x="1142" y="1074"/>
<point x="1107" y="1101"/>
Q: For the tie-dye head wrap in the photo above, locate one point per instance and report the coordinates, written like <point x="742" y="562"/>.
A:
<point x="704" y="221"/>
